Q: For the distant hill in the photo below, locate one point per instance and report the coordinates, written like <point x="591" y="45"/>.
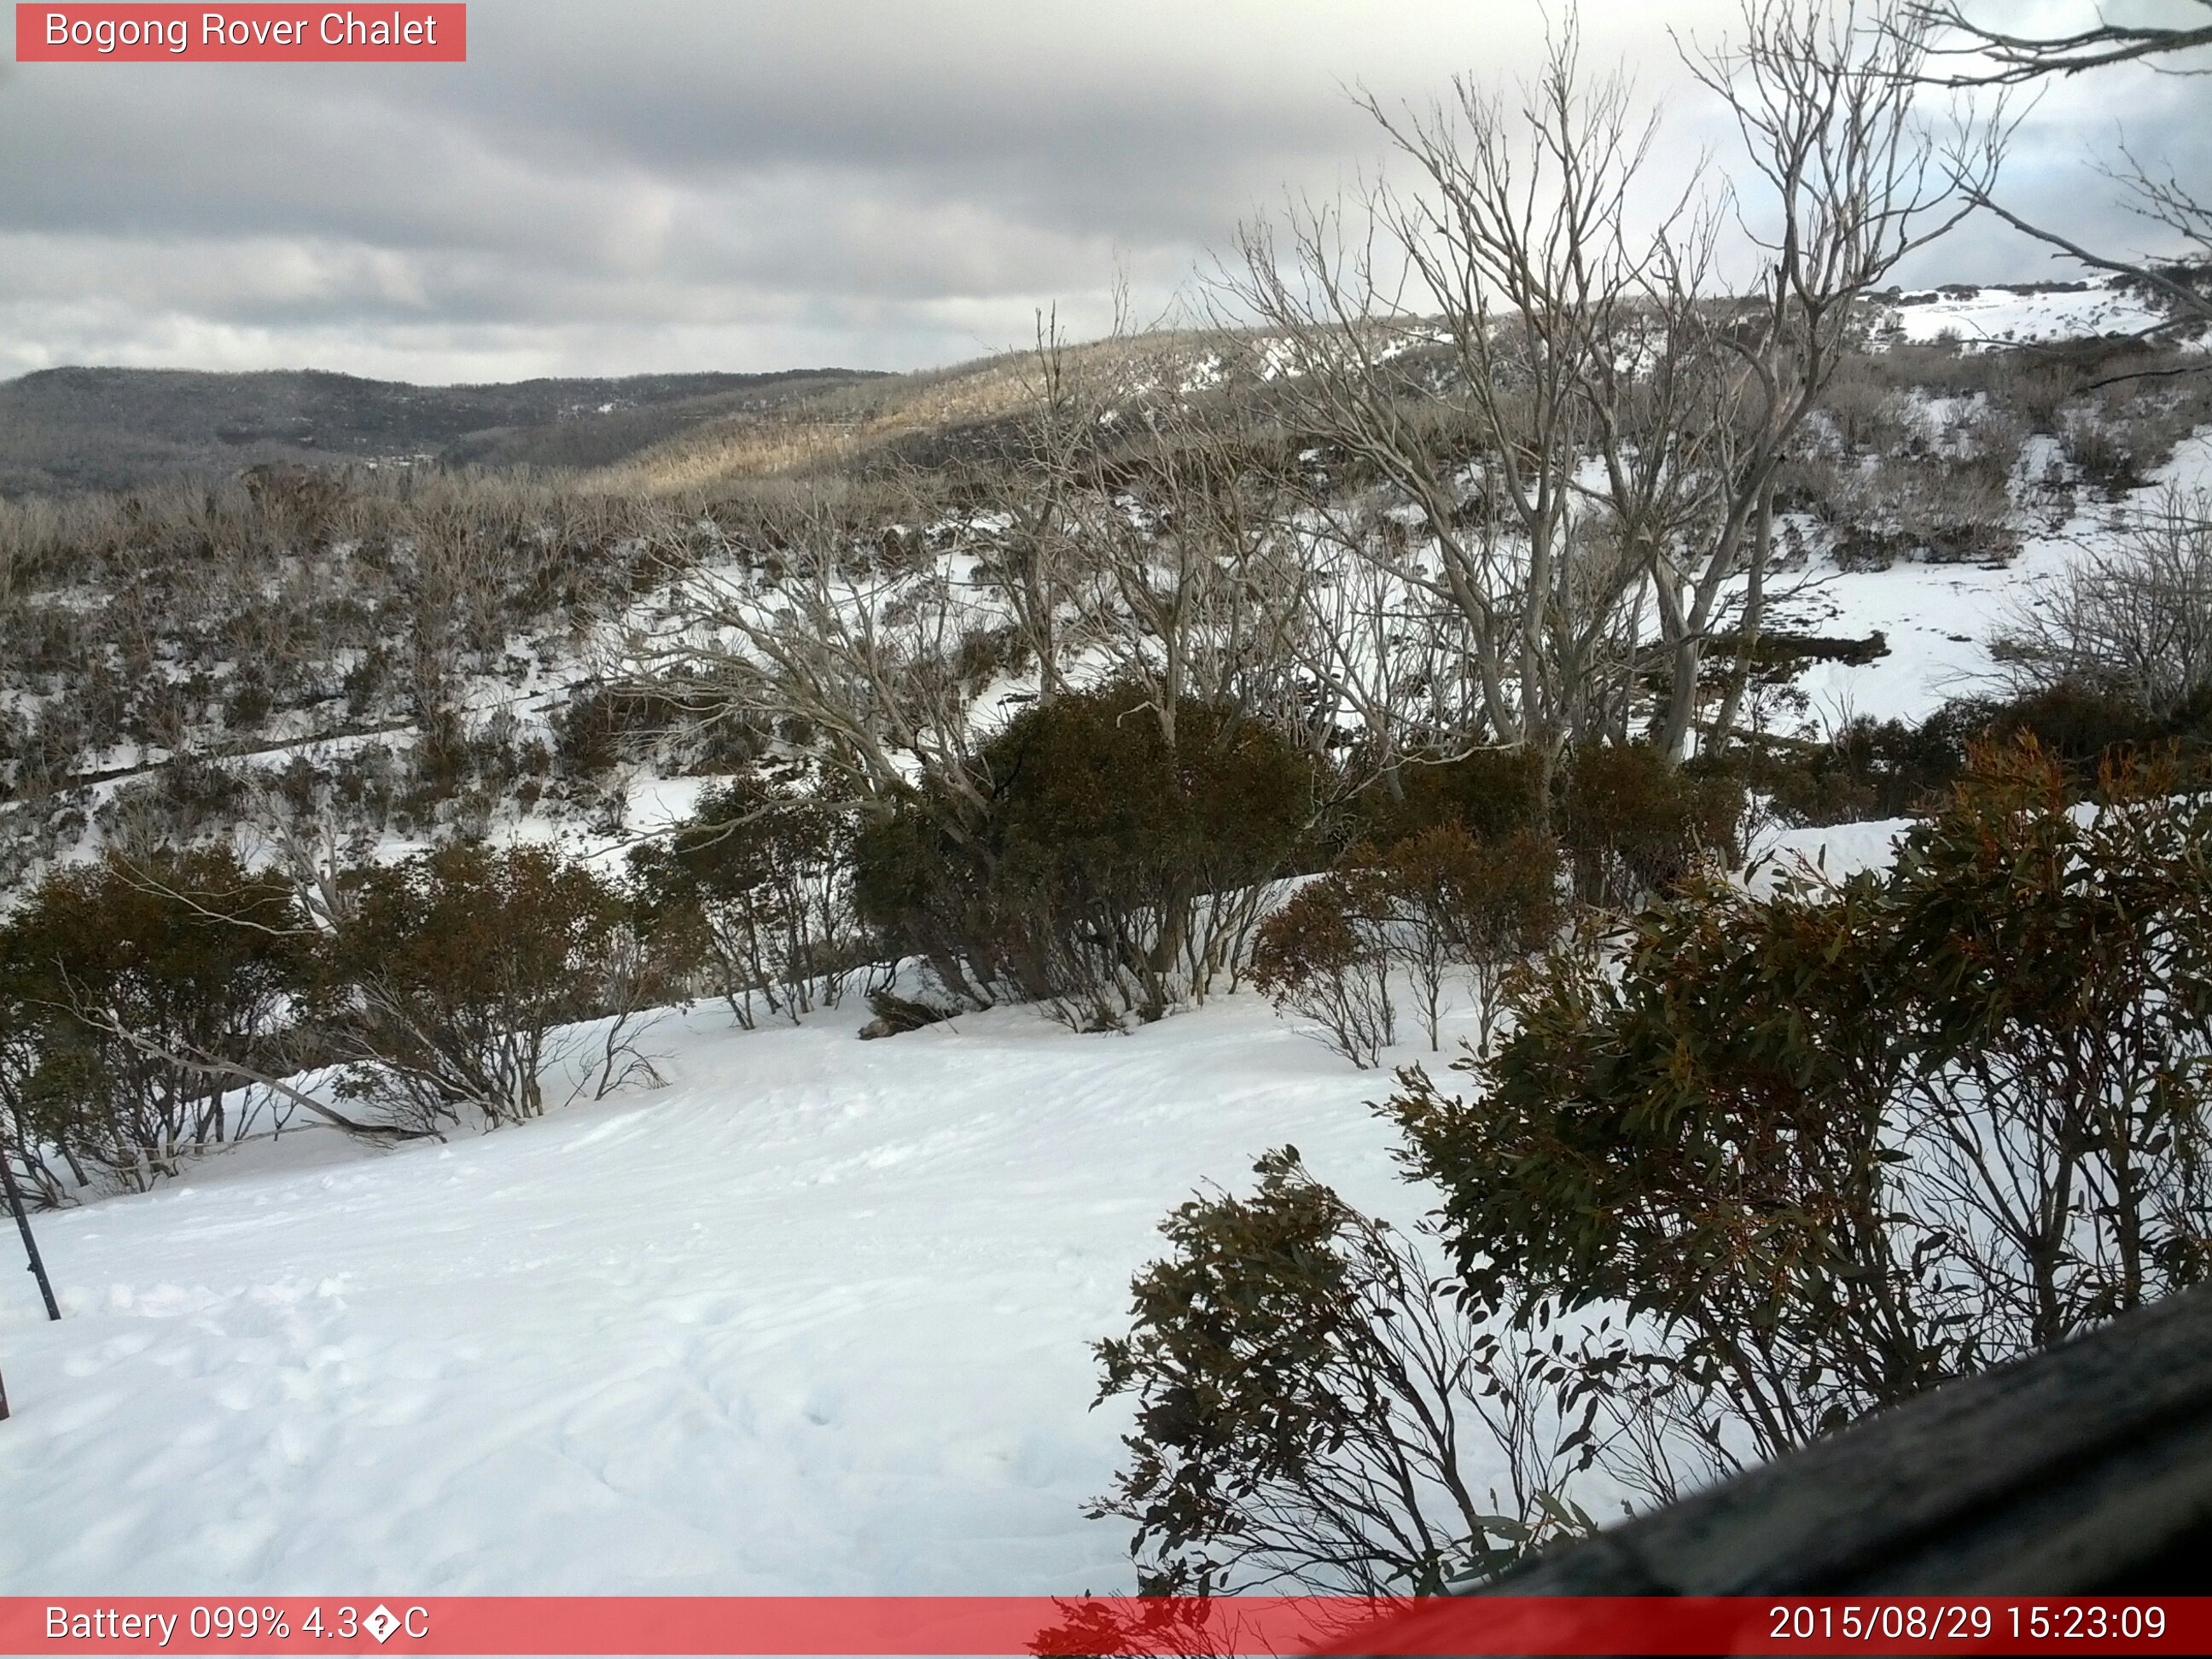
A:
<point x="65" y="430"/>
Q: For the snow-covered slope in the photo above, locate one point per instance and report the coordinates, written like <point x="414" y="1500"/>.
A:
<point x="812" y="1318"/>
<point x="2022" y="314"/>
<point x="1937" y="619"/>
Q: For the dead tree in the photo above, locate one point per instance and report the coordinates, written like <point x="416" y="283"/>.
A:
<point x="1971" y="53"/>
<point x="821" y="628"/>
<point x="1826" y="101"/>
<point x="1444" y="338"/>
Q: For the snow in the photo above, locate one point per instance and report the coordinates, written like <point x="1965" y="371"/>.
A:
<point x="1937" y="619"/>
<point x="1837" y="851"/>
<point x="2018" y="315"/>
<point x="813" y="1318"/>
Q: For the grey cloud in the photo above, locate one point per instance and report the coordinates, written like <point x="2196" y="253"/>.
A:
<point x="610" y="187"/>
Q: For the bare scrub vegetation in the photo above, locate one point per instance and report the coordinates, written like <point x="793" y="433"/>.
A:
<point x="2132" y="621"/>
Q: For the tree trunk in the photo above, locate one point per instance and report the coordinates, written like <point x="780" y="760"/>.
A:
<point x="1754" y="616"/>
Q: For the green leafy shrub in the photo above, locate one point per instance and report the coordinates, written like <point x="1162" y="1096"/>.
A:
<point x="1107" y="873"/>
<point x="1489" y="792"/>
<point x="1892" y="768"/>
<point x="1305" y="1398"/>
<point x="762" y="880"/>
<point x="124" y="982"/>
<point x="1632" y="825"/>
<point x="1460" y="905"/>
<point x="1825" y="1148"/>
<point x="450" y="976"/>
<point x="1440" y="905"/>
<point x="1325" y="956"/>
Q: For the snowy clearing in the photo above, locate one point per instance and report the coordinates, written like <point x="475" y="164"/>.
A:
<point x="2023" y="314"/>
<point x="812" y="1319"/>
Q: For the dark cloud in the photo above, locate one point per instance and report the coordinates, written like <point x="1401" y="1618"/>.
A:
<point x="614" y="186"/>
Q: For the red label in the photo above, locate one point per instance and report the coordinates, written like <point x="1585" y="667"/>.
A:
<point x="171" y="1626"/>
<point x="241" y="35"/>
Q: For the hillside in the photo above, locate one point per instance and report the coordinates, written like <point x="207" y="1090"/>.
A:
<point x="925" y="417"/>
<point x="65" y="430"/>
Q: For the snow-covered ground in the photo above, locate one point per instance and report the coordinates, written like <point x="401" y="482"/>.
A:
<point x="812" y="1318"/>
<point x="1937" y="619"/>
<point x="2023" y="315"/>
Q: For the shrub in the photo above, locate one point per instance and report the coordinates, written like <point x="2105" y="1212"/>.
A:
<point x="1306" y="1403"/>
<point x="2080" y="726"/>
<point x="603" y="727"/>
<point x="1105" y="872"/>
<point x="127" y="983"/>
<point x="2133" y="621"/>
<point x="1326" y="956"/>
<point x="1870" y="768"/>
<point x="1489" y="792"/>
<point x="1889" y="768"/>
<point x="921" y="881"/>
<point x="452" y="975"/>
<point x="765" y="878"/>
<point x="2102" y="450"/>
<point x="1823" y="1148"/>
<point x="1457" y="902"/>
<point x="1632" y="825"/>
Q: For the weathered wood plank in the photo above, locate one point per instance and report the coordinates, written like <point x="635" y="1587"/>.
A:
<point x="2080" y="1470"/>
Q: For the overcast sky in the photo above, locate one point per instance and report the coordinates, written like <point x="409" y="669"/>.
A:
<point x="613" y="186"/>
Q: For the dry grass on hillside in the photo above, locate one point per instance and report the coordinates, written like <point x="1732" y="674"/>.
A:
<point x="850" y="421"/>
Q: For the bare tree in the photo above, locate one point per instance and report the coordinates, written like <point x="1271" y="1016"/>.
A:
<point x="1853" y="179"/>
<point x="855" y="638"/>
<point x="2000" y="58"/>
<point x="1527" y="348"/>
<point x="2015" y="59"/>
<point x="1035" y="559"/>
<point x="1514" y="264"/>
<point x="1197" y="586"/>
<point x="2132" y="619"/>
<point x="1377" y="651"/>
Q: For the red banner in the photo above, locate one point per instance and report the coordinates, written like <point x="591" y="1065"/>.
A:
<point x="94" y="33"/>
<point x="1100" y="1625"/>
